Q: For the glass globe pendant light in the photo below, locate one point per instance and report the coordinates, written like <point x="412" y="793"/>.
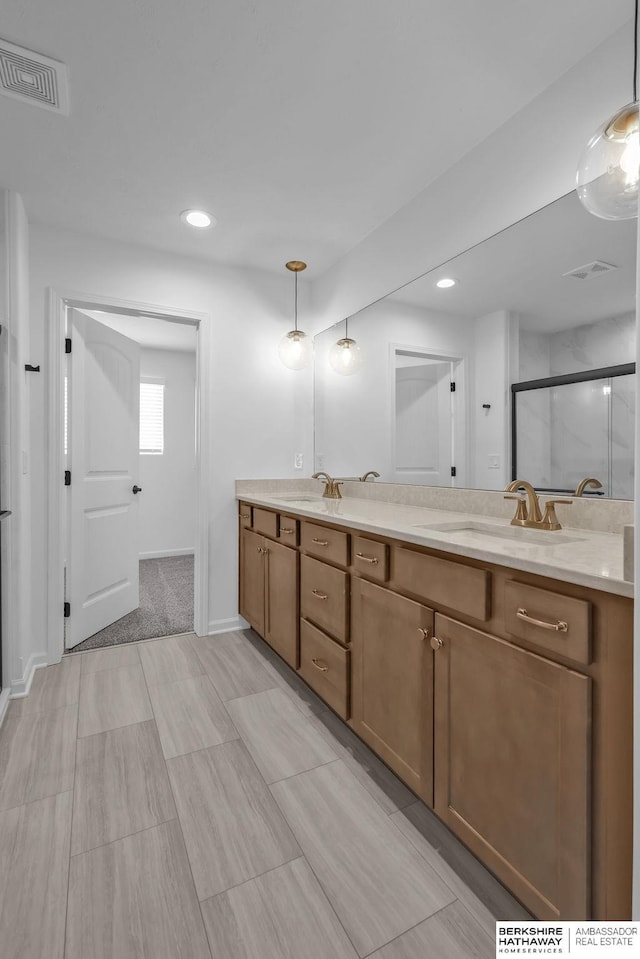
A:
<point x="609" y="170"/>
<point x="294" y="349"/>
<point x="345" y="356"/>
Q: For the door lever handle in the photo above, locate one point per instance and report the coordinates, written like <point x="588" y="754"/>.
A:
<point x="137" y="489"/>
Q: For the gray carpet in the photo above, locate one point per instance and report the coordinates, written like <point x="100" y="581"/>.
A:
<point x="166" y="605"/>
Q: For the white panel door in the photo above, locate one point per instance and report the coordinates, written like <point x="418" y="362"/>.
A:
<point x="104" y="409"/>
<point x="423" y="422"/>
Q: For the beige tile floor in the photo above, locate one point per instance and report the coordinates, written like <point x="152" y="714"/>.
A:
<point x="191" y="798"/>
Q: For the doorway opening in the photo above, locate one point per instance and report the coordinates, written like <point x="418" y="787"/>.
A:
<point x="128" y="543"/>
<point x="427" y="422"/>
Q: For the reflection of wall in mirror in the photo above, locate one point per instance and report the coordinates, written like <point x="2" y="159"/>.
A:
<point x="353" y="413"/>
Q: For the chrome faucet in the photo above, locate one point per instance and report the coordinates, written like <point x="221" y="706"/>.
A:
<point x="528" y="512"/>
<point x="365" y="476"/>
<point x="589" y="481"/>
<point x="331" y="486"/>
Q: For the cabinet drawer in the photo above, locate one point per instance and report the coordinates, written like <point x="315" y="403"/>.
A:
<point x="288" y="530"/>
<point x="463" y="588"/>
<point x="370" y="558"/>
<point x="329" y="544"/>
<point x="266" y="522"/>
<point x="561" y="624"/>
<point x="325" y="666"/>
<point x="244" y="515"/>
<point x="324" y="597"/>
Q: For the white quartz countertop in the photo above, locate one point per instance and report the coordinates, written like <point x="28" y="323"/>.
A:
<point x="579" y="556"/>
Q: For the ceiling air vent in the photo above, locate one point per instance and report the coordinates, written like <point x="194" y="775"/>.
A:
<point x="33" y="78"/>
<point x="590" y="270"/>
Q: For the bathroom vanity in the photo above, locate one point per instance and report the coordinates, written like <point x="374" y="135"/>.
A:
<point x="489" y="667"/>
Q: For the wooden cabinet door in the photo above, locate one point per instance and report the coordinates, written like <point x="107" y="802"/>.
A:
<point x="512" y="765"/>
<point x="392" y="682"/>
<point x="252" y="578"/>
<point x="281" y="625"/>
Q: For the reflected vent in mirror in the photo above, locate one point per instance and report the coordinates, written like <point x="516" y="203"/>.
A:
<point x="33" y="78"/>
<point x="589" y="270"/>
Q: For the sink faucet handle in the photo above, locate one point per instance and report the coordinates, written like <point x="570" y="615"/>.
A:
<point x="550" y="520"/>
<point x="521" y="515"/>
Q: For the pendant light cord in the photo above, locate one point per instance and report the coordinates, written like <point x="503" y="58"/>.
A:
<point x="295" y="305"/>
<point x="346" y="328"/>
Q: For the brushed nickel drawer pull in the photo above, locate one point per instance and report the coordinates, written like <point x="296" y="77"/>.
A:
<point x="245" y="515"/>
<point x="320" y="542"/>
<point x="423" y="633"/>
<point x="368" y="559"/>
<point x="319" y="595"/>
<point x="283" y="529"/>
<point x="261" y="549"/>
<point x="559" y="627"/>
<point x="436" y="643"/>
<point x="320" y="665"/>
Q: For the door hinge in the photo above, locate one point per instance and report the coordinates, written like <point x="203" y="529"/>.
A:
<point x="453" y="471"/>
<point x="452" y="386"/>
<point x="67" y="344"/>
<point x="67" y="477"/>
<point x="67" y="610"/>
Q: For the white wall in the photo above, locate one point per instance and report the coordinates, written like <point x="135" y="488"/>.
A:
<point x="167" y="513"/>
<point x="495" y="336"/>
<point x="22" y="649"/>
<point x="260" y="412"/>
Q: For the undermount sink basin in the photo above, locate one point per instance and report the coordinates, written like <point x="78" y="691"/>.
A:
<point x="472" y="530"/>
<point x="295" y="498"/>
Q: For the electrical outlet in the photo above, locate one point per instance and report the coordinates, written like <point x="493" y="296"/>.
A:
<point x="494" y="461"/>
<point x="298" y="461"/>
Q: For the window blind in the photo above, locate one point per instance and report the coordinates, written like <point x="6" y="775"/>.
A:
<point x="152" y="417"/>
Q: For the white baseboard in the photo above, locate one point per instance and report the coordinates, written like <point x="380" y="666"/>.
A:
<point x="227" y="625"/>
<point x="21" y="687"/>
<point x="163" y="553"/>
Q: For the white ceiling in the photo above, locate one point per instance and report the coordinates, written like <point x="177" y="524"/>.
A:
<point x="521" y="269"/>
<point x="301" y="125"/>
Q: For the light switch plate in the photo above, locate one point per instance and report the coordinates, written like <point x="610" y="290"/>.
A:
<point x="298" y="461"/>
<point x="494" y="461"/>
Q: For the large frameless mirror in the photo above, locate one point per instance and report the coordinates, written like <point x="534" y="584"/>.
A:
<point x="551" y="296"/>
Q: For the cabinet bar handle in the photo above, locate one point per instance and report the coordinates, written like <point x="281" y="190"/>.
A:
<point x="558" y="627"/>
<point x="283" y="529"/>
<point x="319" y="595"/>
<point x="320" y="665"/>
<point x="368" y="559"/>
<point x="320" y="542"/>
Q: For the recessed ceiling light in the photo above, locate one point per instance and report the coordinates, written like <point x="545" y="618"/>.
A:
<point x="198" y="218"/>
<point x="446" y="282"/>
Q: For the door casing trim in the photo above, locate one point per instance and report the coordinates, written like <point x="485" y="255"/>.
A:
<point x="57" y="303"/>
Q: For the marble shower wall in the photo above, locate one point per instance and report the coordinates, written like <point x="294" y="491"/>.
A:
<point x="583" y="429"/>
